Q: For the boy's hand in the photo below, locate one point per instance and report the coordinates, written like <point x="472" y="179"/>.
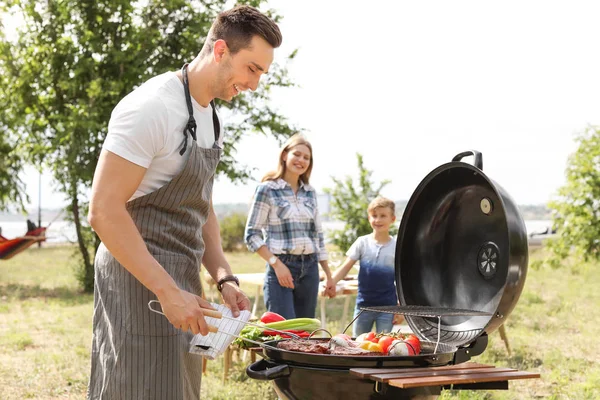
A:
<point x="284" y="276"/>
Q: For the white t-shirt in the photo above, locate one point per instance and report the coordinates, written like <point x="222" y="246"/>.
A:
<point x="146" y="128"/>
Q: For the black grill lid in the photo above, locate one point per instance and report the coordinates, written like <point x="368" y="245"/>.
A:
<point x="458" y="236"/>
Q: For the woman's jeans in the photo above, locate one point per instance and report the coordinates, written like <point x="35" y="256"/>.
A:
<point x="364" y="323"/>
<point x="301" y="301"/>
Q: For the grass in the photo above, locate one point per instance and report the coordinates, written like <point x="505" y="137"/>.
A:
<point x="45" y="334"/>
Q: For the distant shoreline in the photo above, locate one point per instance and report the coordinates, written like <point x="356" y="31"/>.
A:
<point x="528" y="211"/>
<point x="61" y="231"/>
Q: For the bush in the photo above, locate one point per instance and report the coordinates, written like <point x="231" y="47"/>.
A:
<point x="232" y="231"/>
<point x="576" y="210"/>
<point x="350" y="200"/>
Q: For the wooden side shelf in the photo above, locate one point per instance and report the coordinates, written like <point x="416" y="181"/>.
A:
<point x="461" y="374"/>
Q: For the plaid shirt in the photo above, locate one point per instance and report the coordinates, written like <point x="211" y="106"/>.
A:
<point x="284" y="222"/>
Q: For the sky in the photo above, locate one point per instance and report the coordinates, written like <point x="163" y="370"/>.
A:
<point x="411" y="84"/>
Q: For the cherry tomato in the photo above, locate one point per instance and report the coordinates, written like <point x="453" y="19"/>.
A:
<point x="371" y="337"/>
<point x="385" y="342"/>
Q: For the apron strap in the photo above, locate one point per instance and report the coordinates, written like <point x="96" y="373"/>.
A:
<point x="191" y="125"/>
<point x="216" y="123"/>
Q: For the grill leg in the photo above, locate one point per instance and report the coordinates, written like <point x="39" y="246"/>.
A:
<point x="504" y="338"/>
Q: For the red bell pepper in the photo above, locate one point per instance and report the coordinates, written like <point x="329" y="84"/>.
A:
<point x="269" y="317"/>
<point x="302" y="334"/>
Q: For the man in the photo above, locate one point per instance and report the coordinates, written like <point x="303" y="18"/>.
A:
<point x="151" y="207"/>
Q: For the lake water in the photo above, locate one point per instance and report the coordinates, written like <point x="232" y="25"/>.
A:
<point x="58" y="232"/>
<point x="63" y="231"/>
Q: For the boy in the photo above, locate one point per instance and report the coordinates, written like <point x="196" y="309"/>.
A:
<point x="376" y="276"/>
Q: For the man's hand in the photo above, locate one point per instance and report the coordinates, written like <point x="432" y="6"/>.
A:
<point x="184" y="310"/>
<point x="234" y="298"/>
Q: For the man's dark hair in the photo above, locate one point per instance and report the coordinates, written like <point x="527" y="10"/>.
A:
<point x="238" y="26"/>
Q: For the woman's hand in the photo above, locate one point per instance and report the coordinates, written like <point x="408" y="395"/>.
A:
<point x="284" y="276"/>
<point x="330" y="287"/>
<point x="184" y="310"/>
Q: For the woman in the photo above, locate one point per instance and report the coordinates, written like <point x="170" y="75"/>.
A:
<point x="284" y="229"/>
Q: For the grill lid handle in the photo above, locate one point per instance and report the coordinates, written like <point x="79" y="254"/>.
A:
<point x="478" y="162"/>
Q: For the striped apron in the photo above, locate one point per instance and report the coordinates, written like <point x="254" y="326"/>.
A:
<point x="136" y="353"/>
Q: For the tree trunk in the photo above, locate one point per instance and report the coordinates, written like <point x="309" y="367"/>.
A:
<point x="88" y="272"/>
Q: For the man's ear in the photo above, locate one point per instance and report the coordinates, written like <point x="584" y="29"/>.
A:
<point x="219" y="50"/>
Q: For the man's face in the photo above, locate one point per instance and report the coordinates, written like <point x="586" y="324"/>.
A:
<point x="243" y="70"/>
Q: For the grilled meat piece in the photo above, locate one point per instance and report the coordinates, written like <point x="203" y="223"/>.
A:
<point x="315" y="347"/>
<point x="304" y="346"/>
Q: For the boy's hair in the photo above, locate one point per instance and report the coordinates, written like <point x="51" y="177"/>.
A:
<point x="238" y="26"/>
<point x="382" y="202"/>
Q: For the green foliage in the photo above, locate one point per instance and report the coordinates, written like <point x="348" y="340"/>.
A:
<point x="349" y="204"/>
<point x="576" y="211"/>
<point x="11" y="187"/>
<point x="232" y="231"/>
<point x="73" y="61"/>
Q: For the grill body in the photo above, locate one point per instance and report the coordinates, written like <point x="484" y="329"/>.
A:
<point x="295" y="382"/>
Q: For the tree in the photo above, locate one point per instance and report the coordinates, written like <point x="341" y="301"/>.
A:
<point x="349" y="204"/>
<point x="232" y="228"/>
<point x="12" y="190"/>
<point x="71" y="64"/>
<point x="576" y="211"/>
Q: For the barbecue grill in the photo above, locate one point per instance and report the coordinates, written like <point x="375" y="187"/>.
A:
<point x="461" y="262"/>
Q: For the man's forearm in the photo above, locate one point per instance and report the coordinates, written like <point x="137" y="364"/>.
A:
<point x="214" y="259"/>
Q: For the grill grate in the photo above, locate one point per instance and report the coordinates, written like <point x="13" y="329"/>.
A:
<point x="426" y="311"/>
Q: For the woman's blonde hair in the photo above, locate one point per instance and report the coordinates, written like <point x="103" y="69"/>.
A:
<point x="293" y="141"/>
